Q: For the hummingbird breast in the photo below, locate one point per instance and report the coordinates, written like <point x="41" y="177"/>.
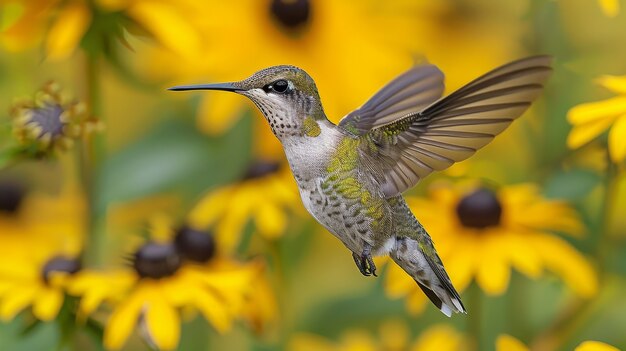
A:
<point x="337" y="192"/>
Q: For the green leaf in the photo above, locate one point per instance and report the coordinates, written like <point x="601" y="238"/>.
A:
<point x="43" y="336"/>
<point x="571" y="185"/>
<point x="175" y="155"/>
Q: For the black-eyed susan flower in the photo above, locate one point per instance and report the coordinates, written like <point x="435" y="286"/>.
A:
<point x="264" y="196"/>
<point x="591" y="119"/>
<point x="393" y="336"/>
<point x="51" y="121"/>
<point x="303" y="33"/>
<point x="38" y="282"/>
<point x="40" y="240"/>
<point x="167" y="277"/>
<point x="39" y="264"/>
<point x="482" y="234"/>
<point x="509" y="343"/>
<point x="62" y="25"/>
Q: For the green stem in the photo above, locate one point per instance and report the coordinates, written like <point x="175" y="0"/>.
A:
<point x="475" y="316"/>
<point x="579" y="312"/>
<point x="91" y="153"/>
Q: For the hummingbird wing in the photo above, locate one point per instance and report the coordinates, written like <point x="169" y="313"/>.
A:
<point x="411" y="91"/>
<point x="453" y="128"/>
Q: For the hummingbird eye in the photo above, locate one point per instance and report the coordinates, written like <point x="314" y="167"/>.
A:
<point x="279" y="86"/>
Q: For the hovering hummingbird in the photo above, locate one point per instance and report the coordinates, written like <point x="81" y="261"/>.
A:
<point x="351" y="176"/>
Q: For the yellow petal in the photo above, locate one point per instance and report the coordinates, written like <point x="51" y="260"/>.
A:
<point x="584" y="133"/>
<point x="592" y="111"/>
<point x="617" y="140"/>
<point x="219" y="113"/>
<point x="398" y="283"/>
<point x="48" y="303"/>
<point x="167" y="25"/>
<point x="16" y="300"/>
<point x="163" y="324"/>
<point x="123" y="320"/>
<point x="270" y="220"/>
<point x="439" y="337"/>
<point x="509" y="343"/>
<point x="493" y="272"/>
<point x="68" y="29"/>
<point x="614" y="83"/>
<point x="595" y="346"/>
<point x="610" y="7"/>
<point x="416" y="302"/>
<point x="561" y="258"/>
<point x="210" y="208"/>
<point x="90" y="301"/>
<point x="522" y="255"/>
<point x="213" y="310"/>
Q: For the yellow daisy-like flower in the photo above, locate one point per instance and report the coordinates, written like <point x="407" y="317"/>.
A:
<point x="302" y="33"/>
<point x="51" y="121"/>
<point x="264" y="195"/>
<point x="591" y="119"/>
<point x="481" y="234"/>
<point x="38" y="281"/>
<point x="393" y="336"/>
<point x="63" y="24"/>
<point x="40" y="240"/>
<point x="167" y="277"/>
<point x="509" y="343"/>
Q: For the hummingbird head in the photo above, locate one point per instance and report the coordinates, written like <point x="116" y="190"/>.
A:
<point x="286" y="95"/>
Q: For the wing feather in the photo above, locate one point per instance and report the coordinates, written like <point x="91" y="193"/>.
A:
<point x="410" y="92"/>
<point x="453" y="128"/>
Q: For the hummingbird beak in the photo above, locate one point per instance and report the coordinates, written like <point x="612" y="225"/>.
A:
<point x="218" y="86"/>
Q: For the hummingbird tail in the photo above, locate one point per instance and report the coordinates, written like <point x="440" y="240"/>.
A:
<point x="421" y="262"/>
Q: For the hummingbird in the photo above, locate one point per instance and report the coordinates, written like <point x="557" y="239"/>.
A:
<point x="351" y="175"/>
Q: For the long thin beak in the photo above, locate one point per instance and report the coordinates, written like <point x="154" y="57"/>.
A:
<point x="219" y="86"/>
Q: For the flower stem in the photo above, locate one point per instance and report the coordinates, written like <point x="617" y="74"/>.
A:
<point x="579" y="312"/>
<point x="475" y="316"/>
<point x="91" y="153"/>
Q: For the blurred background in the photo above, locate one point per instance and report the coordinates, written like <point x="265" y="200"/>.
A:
<point x="135" y="218"/>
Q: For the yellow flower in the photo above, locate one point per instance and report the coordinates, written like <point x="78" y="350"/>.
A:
<point x="509" y="343"/>
<point x="393" y="336"/>
<point x="481" y="235"/>
<point x="304" y="33"/>
<point x="591" y="119"/>
<point x="264" y="195"/>
<point x="260" y="307"/>
<point x="40" y="239"/>
<point x="167" y="277"/>
<point x="51" y="121"/>
<point x="64" y="24"/>
<point x="35" y="279"/>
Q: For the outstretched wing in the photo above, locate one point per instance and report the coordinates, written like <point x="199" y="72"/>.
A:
<point x="453" y="128"/>
<point x="410" y="92"/>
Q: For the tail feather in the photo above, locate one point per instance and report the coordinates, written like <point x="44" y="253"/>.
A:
<point x="421" y="262"/>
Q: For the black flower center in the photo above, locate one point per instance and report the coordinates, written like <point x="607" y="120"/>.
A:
<point x="60" y="264"/>
<point x="156" y="260"/>
<point x="480" y="209"/>
<point x="260" y="168"/>
<point x="48" y="118"/>
<point x="291" y="14"/>
<point x="194" y="245"/>
<point x="11" y="196"/>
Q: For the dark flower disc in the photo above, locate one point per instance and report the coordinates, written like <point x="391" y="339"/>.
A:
<point x="194" y="245"/>
<point x="480" y="209"/>
<point x="156" y="260"/>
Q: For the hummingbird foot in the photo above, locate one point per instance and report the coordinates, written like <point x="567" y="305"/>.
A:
<point x="365" y="263"/>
